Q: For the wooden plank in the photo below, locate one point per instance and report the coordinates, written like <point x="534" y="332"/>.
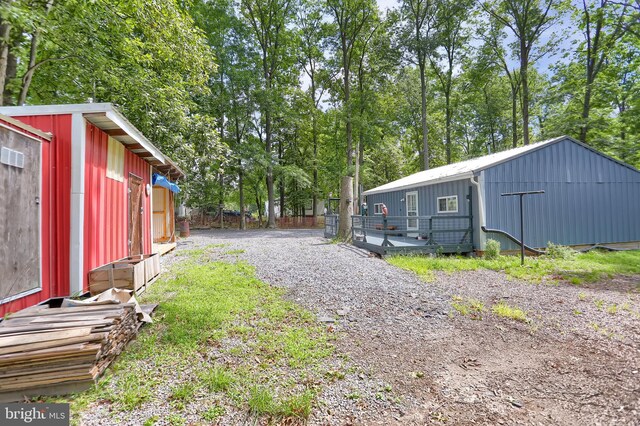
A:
<point x="31" y="370"/>
<point x="42" y="337"/>
<point x="44" y="382"/>
<point x="62" y="311"/>
<point x="58" y="326"/>
<point x="63" y="388"/>
<point x="93" y="337"/>
<point x="89" y="356"/>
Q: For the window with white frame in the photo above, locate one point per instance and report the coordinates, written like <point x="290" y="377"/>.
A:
<point x="448" y="204"/>
<point x="377" y="208"/>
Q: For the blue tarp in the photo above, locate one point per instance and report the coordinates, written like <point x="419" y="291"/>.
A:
<point x="164" y="182"/>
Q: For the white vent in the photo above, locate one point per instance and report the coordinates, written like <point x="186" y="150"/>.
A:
<point x="12" y="158"/>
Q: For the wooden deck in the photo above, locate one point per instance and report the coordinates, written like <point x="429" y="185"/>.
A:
<point x="407" y="245"/>
<point x="163" y="248"/>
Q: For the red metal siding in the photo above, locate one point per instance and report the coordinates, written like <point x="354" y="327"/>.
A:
<point x="106" y="228"/>
<point x="55" y="205"/>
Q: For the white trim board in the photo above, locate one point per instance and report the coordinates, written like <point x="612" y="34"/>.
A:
<point x="76" y="247"/>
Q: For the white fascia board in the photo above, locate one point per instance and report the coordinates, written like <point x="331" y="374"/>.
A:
<point x="56" y="109"/>
<point x="465" y="175"/>
<point x="122" y="122"/>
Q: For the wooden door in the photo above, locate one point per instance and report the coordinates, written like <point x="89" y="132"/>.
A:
<point x="135" y="215"/>
<point x="19" y="214"/>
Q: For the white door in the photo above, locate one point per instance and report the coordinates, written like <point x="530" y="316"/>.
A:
<point x="412" y="210"/>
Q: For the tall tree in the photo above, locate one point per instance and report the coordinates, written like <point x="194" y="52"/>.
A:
<point x="452" y="37"/>
<point x="494" y="40"/>
<point x="269" y="20"/>
<point x="419" y="17"/>
<point x="351" y="18"/>
<point x="527" y="20"/>
<point x="313" y="33"/>
<point x="602" y="25"/>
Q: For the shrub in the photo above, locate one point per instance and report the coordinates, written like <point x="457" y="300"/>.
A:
<point x="557" y="251"/>
<point x="492" y="251"/>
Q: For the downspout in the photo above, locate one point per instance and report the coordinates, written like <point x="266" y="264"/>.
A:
<point x="476" y="183"/>
<point x="481" y="213"/>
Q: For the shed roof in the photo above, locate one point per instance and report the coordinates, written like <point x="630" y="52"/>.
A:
<point x="18" y="125"/>
<point x="106" y="117"/>
<point x="467" y="169"/>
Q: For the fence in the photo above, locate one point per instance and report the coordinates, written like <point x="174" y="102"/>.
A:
<point x="424" y="233"/>
<point x="331" y="225"/>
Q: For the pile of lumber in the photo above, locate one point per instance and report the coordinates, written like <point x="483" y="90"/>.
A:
<point x="43" y="348"/>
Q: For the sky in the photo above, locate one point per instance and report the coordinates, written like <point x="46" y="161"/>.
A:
<point x="544" y="63"/>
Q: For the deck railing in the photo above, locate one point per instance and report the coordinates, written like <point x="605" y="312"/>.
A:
<point x="440" y="230"/>
<point x="331" y="225"/>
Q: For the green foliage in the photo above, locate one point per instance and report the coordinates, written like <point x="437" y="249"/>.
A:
<point x="201" y="79"/>
<point x="556" y="251"/>
<point x="591" y="266"/>
<point x="502" y="309"/>
<point x="492" y="249"/>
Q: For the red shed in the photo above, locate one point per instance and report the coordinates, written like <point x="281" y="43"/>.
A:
<point x="94" y="176"/>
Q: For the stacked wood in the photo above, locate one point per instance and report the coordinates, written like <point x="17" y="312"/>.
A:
<point x="42" y="346"/>
<point x="130" y="273"/>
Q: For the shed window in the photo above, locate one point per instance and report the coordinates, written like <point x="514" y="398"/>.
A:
<point x="448" y="204"/>
<point x="377" y="208"/>
<point x="115" y="160"/>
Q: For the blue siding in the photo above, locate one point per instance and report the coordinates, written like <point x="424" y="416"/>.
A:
<point x="588" y="198"/>
<point x="427" y="199"/>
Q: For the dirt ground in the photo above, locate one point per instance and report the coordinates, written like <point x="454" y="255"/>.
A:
<point x="419" y="361"/>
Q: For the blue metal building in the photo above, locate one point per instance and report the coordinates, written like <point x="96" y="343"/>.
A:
<point x="590" y="198"/>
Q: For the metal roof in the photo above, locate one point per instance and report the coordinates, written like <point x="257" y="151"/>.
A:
<point x="106" y="117"/>
<point x="19" y="125"/>
<point x="461" y="170"/>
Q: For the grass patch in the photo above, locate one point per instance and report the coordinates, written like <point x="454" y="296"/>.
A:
<point x="576" y="269"/>
<point x="216" y="379"/>
<point x="502" y="309"/>
<point x="469" y="306"/>
<point x="214" y="309"/>
<point x="239" y="251"/>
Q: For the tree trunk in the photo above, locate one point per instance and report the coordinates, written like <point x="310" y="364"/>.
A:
<point x="221" y="205"/>
<point x="423" y="116"/>
<point x="514" y="115"/>
<point x="346" y="190"/>
<point x="314" y="130"/>
<point x="31" y="68"/>
<point x="12" y="69"/>
<point x="586" y="106"/>
<point x="281" y="180"/>
<point x="243" y="219"/>
<point x="356" y="179"/>
<point x="259" y="204"/>
<point x="524" y="79"/>
<point x="447" y="97"/>
<point x="346" y="207"/>
<point x="5" y="32"/>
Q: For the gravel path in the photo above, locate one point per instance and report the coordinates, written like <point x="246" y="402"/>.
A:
<point x="417" y="361"/>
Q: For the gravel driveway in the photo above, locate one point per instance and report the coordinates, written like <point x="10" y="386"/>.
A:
<point x="416" y="360"/>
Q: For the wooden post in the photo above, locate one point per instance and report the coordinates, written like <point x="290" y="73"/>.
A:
<point x="385" y="242"/>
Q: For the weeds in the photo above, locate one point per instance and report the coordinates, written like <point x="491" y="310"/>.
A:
<point x="581" y="267"/>
<point x="502" y="309"/>
<point x="467" y="306"/>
